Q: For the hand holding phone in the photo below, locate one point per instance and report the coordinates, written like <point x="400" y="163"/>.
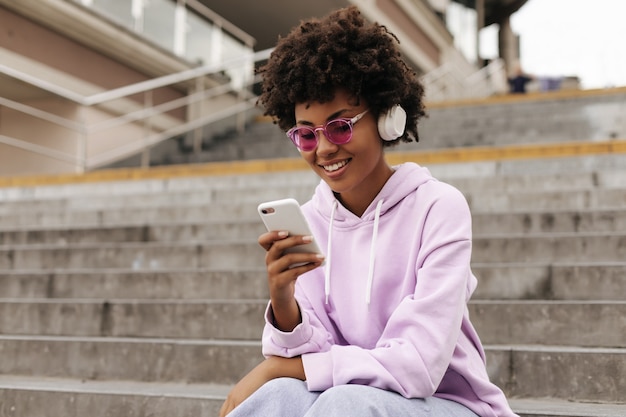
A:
<point x="286" y="215"/>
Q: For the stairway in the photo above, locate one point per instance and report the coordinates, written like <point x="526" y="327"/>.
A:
<point x="145" y="298"/>
<point x="553" y="117"/>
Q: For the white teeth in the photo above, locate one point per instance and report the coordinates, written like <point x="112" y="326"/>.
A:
<point x="335" y="167"/>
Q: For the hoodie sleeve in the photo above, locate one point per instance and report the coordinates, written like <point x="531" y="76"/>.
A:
<point x="418" y="342"/>
<point x="309" y="336"/>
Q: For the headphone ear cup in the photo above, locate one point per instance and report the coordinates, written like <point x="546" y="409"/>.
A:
<point x="391" y="124"/>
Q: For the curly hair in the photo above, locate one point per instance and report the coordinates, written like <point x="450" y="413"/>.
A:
<point x="341" y="50"/>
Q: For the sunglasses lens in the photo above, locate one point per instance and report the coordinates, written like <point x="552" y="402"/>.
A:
<point x="304" y="138"/>
<point x="339" y="131"/>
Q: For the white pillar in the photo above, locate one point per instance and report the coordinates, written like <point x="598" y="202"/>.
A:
<point x="180" y="28"/>
<point x="480" y="23"/>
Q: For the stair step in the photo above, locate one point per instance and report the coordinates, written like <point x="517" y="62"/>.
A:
<point x="220" y="319"/>
<point x="571" y="323"/>
<point x="588" y="172"/>
<point x="584" y="374"/>
<point x="568" y="373"/>
<point x="572" y="281"/>
<point x="104" y="284"/>
<point x="52" y="397"/>
<point x="550" y="221"/>
<point x="590" y="247"/>
<point x="488" y="191"/>
<point x="582" y="281"/>
<point x="154" y="256"/>
<point x="250" y="226"/>
<point x="137" y="359"/>
<point x="485" y="201"/>
<point x="245" y="208"/>
<point x="567" y="323"/>
<point x="553" y="247"/>
<point x="170" y="232"/>
<point x="549" y="407"/>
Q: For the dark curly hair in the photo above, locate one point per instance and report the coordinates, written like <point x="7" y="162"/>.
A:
<point x="341" y="50"/>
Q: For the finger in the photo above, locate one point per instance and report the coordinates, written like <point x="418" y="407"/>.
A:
<point x="285" y="270"/>
<point x="267" y="239"/>
<point x="281" y="245"/>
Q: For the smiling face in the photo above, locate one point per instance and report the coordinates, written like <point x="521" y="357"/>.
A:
<point x="356" y="170"/>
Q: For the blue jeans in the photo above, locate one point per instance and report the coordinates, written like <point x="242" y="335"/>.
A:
<point x="288" y="397"/>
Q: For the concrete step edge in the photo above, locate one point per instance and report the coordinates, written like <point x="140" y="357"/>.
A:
<point x="73" y="205"/>
<point x="556" y="407"/>
<point x="161" y="389"/>
<point x="252" y="241"/>
<point x="194" y="223"/>
<point x="523" y="406"/>
<point x="254" y="343"/>
<point x="263" y="301"/>
<point x="237" y="269"/>
<point x="212" y="392"/>
<point x="260" y="269"/>
<point x="556" y="348"/>
<point x="132" y="340"/>
<point x="202" y="180"/>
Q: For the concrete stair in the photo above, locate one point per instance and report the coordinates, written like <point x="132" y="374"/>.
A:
<point x="535" y="118"/>
<point x="145" y="298"/>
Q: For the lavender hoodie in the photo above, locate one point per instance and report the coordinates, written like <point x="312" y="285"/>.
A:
<point x="389" y="309"/>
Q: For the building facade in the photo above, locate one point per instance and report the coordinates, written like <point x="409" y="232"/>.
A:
<point x="85" y="83"/>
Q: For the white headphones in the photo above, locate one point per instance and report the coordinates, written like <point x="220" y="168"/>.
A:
<point x="391" y="124"/>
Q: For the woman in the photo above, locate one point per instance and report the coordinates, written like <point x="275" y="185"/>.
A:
<point x="382" y="329"/>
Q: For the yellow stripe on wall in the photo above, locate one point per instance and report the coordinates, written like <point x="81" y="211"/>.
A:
<point x="442" y="156"/>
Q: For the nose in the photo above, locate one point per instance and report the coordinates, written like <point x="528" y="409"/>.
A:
<point x="324" y="146"/>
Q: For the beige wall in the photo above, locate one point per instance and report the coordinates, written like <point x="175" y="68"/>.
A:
<point x="60" y="139"/>
<point x="43" y="45"/>
<point x="63" y="55"/>
<point x="408" y="26"/>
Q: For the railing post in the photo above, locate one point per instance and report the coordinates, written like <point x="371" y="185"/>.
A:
<point x="180" y="28"/>
<point x="137" y="13"/>
<point x="147" y="128"/>
<point x="82" y="143"/>
<point x="195" y="112"/>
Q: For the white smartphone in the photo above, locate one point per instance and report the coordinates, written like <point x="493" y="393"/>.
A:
<point x="287" y="215"/>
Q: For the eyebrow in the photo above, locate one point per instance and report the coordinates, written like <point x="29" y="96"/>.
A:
<point x="333" y="116"/>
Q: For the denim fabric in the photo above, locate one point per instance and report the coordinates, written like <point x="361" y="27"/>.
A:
<point x="287" y="397"/>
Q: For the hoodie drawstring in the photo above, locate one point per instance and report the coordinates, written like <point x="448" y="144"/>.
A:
<point x="328" y="251"/>
<point x="370" y="273"/>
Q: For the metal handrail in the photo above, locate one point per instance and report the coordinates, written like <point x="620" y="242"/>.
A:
<point x="159" y="108"/>
<point x="42" y="84"/>
<point x="43" y="150"/>
<point x="176" y="78"/>
<point x="41" y="114"/>
<point x="105" y="157"/>
<point x="136" y="116"/>
<point x="221" y="22"/>
<point x="477" y="84"/>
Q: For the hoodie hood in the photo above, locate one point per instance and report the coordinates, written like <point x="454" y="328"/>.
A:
<point x="406" y="179"/>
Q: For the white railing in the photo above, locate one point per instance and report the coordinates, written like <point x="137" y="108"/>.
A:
<point x="143" y="117"/>
<point x="187" y="28"/>
<point x="446" y="83"/>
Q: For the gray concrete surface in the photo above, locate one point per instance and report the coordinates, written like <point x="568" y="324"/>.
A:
<point x="140" y="298"/>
